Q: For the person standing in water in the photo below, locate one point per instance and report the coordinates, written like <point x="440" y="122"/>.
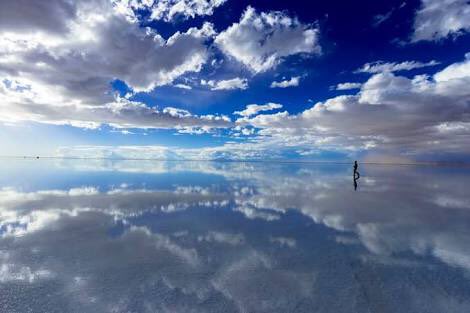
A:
<point x="356" y="175"/>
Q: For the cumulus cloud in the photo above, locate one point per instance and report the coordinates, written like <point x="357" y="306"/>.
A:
<point x="293" y="82"/>
<point x="438" y="19"/>
<point x="151" y="152"/>
<point x="183" y="86"/>
<point x="253" y="109"/>
<point x="380" y="66"/>
<point x="261" y="40"/>
<point x="272" y="148"/>
<point x="23" y="15"/>
<point x="168" y="10"/>
<point x="454" y="72"/>
<point x="121" y="113"/>
<point x="347" y="86"/>
<point x="61" y="72"/>
<point x="417" y="115"/>
<point x="227" y="84"/>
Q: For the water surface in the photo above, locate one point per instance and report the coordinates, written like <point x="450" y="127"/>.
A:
<point x="141" y="236"/>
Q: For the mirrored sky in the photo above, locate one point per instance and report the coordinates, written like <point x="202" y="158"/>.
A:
<point x="128" y="236"/>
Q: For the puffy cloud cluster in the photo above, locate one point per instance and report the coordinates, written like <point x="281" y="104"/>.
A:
<point x="347" y="86"/>
<point x="58" y="68"/>
<point x="88" y="54"/>
<point x="168" y="10"/>
<point x="27" y="15"/>
<point x="183" y="86"/>
<point x="263" y="149"/>
<point x="226" y="84"/>
<point x="253" y="109"/>
<point x="59" y="58"/>
<point x="437" y="19"/>
<point x="292" y="82"/>
<point x="121" y="113"/>
<point x="415" y="115"/>
<point x="261" y="40"/>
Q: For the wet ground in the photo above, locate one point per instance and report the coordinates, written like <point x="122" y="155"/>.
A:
<point x="141" y="236"/>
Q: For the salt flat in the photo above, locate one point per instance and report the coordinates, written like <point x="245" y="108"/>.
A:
<point x="143" y="236"/>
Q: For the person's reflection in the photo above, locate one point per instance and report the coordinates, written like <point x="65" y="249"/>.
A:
<point x="356" y="175"/>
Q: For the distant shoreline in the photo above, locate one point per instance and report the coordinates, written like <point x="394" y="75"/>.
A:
<point x="447" y="164"/>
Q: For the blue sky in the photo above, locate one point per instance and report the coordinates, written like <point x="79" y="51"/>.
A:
<point x="223" y="79"/>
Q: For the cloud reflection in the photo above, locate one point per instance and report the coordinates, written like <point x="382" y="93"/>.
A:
<point x="264" y="238"/>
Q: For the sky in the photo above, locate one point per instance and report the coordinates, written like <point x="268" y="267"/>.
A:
<point x="236" y="80"/>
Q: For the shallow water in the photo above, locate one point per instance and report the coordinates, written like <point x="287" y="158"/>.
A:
<point x="141" y="236"/>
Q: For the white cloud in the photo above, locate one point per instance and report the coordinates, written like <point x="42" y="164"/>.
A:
<point x="455" y="71"/>
<point x="169" y="10"/>
<point x="60" y="71"/>
<point x="228" y="84"/>
<point x="380" y="66"/>
<point x="195" y="130"/>
<point x="253" y="109"/>
<point x="120" y="113"/>
<point x="175" y="112"/>
<point x="261" y="41"/>
<point x="437" y="19"/>
<point x="143" y="60"/>
<point x="348" y="86"/>
<point x="24" y="15"/>
<point x="263" y="149"/>
<point x="389" y="112"/>
<point x="253" y="213"/>
<point x="293" y="82"/>
<point x="183" y="86"/>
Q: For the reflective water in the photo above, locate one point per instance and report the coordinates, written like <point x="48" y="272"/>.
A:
<point x="135" y="236"/>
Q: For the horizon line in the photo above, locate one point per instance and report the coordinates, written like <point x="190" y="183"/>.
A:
<point x="421" y="163"/>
